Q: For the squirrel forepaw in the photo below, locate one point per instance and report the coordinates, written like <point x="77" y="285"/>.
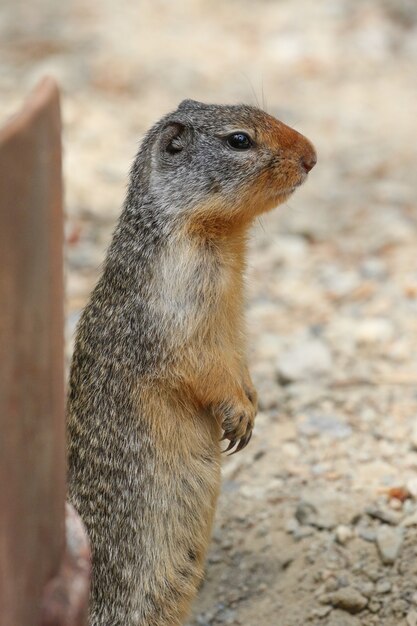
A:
<point x="237" y="423"/>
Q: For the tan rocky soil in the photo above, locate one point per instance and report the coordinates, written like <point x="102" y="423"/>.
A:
<point x="317" y="522"/>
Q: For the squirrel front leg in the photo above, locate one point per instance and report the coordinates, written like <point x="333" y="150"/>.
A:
<point x="249" y="387"/>
<point x="229" y="394"/>
<point x="238" y="421"/>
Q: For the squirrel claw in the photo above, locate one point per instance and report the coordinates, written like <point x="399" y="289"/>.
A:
<point x="231" y="445"/>
<point x="242" y="443"/>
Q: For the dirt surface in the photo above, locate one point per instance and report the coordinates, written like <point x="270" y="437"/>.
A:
<point x="317" y="522"/>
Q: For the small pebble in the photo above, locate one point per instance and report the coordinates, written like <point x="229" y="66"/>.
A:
<point x="374" y="606"/>
<point x="374" y="330"/>
<point x="332" y="584"/>
<point x="411" y="618"/>
<point x="366" y="588"/>
<point x="303" y="531"/>
<point x="367" y="534"/>
<point x="383" y="586"/>
<point x="307" y="358"/>
<point x="305" y="513"/>
<point x="292" y="525"/>
<point x="388" y="517"/>
<point x="343" y="534"/>
<point x="321" y="611"/>
<point x="410" y="520"/>
<point x="412" y="487"/>
<point x="348" y="599"/>
<point x="400" y="606"/>
<point x="340" y="618"/>
<point x="389" y="541"/>
<point x="372" y="574"/>
<point x="396" y="504"/>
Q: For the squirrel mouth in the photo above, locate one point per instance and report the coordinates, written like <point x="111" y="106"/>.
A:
<point x="281" y="195"/>
<point x="295" y="186"/>
<point x="289" y="190"/>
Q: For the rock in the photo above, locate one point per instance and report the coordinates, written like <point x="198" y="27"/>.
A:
<point x="332" y="584"/>
<point x="326" y="510"/>
<point x="215" y="558"/>
<point x="372" y="573"/>
<point x="374" y="606"/>
<point x="306" y="359"/>
<point x="411" y="618"/>
<point x="409" y="507"/>
<point x="395" y="504"/>
<point x="400" y="606"/>
<point x="324" y="598"/>
<point x="367" y="534"/>
<point x="383" y="586"/>
<point x="388" y="517"/>
<point x="348" y="599"/>
<point x="343" y="534"/>
<point x="374" y="330"/>
<point x="340" y="618"/>
<point x="366" y="588"/>
<point x="305" y="513"/>
<point x="321" y="611"/>
<point x="291" y="525"/>
<point x="389" y="541"/>
<point x="410" y="520"/>
<point x="412" y="487"/>
<point x="303" y="531"/>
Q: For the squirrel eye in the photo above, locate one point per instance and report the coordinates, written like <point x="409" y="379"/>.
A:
<point x="239" y="141"/>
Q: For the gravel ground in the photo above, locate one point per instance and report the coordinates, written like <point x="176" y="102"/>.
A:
<point x="317" y="522"/>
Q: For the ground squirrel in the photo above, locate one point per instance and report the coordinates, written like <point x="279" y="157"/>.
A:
<point x="159" y="373"/>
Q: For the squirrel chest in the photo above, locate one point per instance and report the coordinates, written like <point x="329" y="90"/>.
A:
<point x="199" y="292"/>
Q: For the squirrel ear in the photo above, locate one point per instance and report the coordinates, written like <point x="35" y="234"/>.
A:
<point x="190" y="104"/>
<point x="175" y="137"/>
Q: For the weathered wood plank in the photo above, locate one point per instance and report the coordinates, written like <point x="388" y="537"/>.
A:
<point x="32" y="425"/>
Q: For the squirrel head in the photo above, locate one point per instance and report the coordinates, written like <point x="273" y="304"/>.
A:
<point x="220" y="166"/>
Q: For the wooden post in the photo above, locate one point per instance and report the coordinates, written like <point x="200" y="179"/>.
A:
<point x="34" y="558"/>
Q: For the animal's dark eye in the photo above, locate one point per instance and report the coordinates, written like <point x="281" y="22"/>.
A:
<point x="239" y="141"/>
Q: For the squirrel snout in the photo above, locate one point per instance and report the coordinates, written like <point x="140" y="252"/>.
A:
<point x="309" y="160"/>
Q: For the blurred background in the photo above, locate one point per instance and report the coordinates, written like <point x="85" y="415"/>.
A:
<point x="327" y="488"/>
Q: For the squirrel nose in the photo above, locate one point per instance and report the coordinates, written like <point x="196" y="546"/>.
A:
<point x="309" y="161"/>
